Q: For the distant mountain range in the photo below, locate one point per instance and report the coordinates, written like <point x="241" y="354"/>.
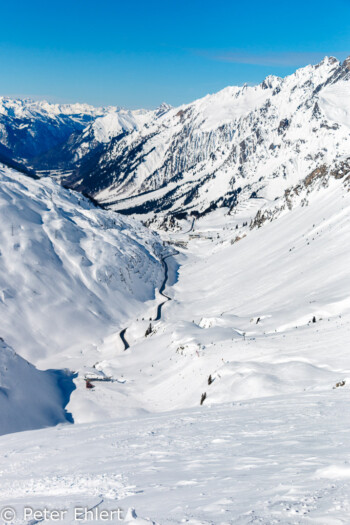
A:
<point x="240" y="143"/>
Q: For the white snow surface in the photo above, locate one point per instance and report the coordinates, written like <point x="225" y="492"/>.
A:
<point x="335" y="103"/>
<point x="117" y="122"/>
<point x="29" y="398"/>
<point x="279" y="460"/>
<point x="70" y="274"/>
<point x="269" y="444"/>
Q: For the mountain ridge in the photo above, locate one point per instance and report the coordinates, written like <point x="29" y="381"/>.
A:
<point x="224" y="148"/>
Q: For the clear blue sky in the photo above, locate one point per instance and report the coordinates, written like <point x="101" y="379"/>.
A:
<point x="140" y="53"/>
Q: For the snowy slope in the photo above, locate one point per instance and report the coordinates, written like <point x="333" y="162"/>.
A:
<point x="281" y="460"/>
<point x="334" y="102"/>
<point x="70" y="274"/>
<point x="113" y="124"/>
<point x="29" y="398"/>
<point x="242" y="310"/>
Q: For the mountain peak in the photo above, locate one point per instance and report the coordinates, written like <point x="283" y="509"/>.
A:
<point x="329" y="60"/>
<point x="346" y="63"/>
<point x="163" y="108"/>
<point x="271" y="81"/>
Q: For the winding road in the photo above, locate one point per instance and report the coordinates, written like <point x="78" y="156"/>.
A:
<point x="161" y="290"/>
<point x="192" y="225"/>
<point x="122" y="337"/>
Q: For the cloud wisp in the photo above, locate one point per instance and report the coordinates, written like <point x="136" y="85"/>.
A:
<point x="279" y="59"/>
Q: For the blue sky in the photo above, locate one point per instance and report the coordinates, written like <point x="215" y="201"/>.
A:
<point x="141" y="53"/>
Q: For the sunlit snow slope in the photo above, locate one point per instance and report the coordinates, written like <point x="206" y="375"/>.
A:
<point x="70" y="273"/>
<point x="271" y="461"/>
<point x="243" y="310"/>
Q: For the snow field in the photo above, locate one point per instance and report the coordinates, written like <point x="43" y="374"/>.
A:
<point x="271" y="460"/>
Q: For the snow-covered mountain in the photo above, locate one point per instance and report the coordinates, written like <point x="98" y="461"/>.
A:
<point x="220" y="150"/>
<point x="91" y="142"/>
<point x="208" y="365"/>
<point x="70" y="274"/>
<point x="217" y="151"/>
<point x="30" y="128"/>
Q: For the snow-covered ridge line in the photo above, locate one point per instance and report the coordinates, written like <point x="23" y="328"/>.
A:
<point x="31" y="128"/>
<point x="27" y="107"/>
